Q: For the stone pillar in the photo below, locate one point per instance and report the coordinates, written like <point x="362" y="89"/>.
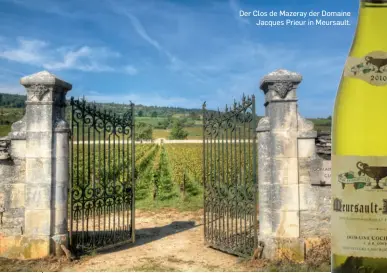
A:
<point x="281" y="193"/>
<point x="60" y="186"/>
<point x="264" y="177"/>
<point x="46" y="163"/>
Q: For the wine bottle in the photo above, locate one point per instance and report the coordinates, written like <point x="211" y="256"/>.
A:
<point x="359" y="149"/>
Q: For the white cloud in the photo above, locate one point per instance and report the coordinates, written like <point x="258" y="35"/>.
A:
<point x="175" y="64"/>
<point x="12" y="89"/>
<point x="7" y="72"/>
<point x="234" y="5"/>
<point x="40" y="53"/>
<point x="130" y="70"/>
<point x="141" y="30"/>
<point x="28" y="51"/>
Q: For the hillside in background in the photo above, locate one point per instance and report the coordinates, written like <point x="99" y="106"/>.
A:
<point x="159" y="120"/>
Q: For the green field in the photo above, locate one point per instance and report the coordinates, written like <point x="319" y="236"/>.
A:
<point x="168" y="175"/>
<point x="160" y="133"/>
<point x="150" y="120"/>
<point x="10" y="115"/>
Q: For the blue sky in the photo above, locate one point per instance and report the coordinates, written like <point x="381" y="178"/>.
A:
<point x="175" y="52"/>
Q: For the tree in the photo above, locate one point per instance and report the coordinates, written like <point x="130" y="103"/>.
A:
<point x="154" y="114"/>
<point x="194" y="116"/>
<point x="164" y="124"/>
<point x="178" y="131"/>
<point x="140" y="113"/>
<point x="143" y="131"/>
<point x="329" y="117"/>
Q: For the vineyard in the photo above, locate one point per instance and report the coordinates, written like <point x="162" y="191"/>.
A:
<point x="169" y="175"/>
<point x="166" y="175"/>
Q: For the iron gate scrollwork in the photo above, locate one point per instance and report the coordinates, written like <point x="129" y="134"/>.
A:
<point x="102" y="177"/>
<point x="230" y="178"/>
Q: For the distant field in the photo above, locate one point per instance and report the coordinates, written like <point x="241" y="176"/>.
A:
<point x="10" y="115"/>
<point x="323" y="125"/>
<point x="160" y="133"/>
<point x="150" y="120"/>
<point x="7" y="117"/>
<point x="195" y="132"/>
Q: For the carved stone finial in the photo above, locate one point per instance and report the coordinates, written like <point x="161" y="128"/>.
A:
<point x="40" y="86"/>
<point x="282" y="88"/>
<point x="38" y="91"/>
<point x="282" y="81"/>
<point x="45" y="78"/>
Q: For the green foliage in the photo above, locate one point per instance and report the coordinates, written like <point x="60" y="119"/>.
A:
<point x="166" y="189"/>
<point x="7" y="117"/>
<point x="154" y="114"/>
<point x="194" y="115"/>
<point x="145" y="174"/>
<point x="164" y="124"/>
<point x="192" y="186"/>
<point x="143" y="131"/>
<point x="177" y="131"/>
<point x="12" y="101"/>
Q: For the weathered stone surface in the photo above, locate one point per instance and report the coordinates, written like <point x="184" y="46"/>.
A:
<point x="307" y="197"/>
<point x="294" y="194"/>
<point x="263" y="124"/>
<point x="38" y="196"/>
<point x="315" y="171"/>
<point x="34" y="172"/>
<point x="38" y="222"/>
<point x="316" y="222"/>
<point x="285" y="171"/>
<point x="23" y="247"/>
<point x="264" y="157"/>
<point x="35" y="122"/>
<point x="44" y="78"/>
<point x="38" y="170"/>
<point x="304" y="125"/>
<point x="306" y="148"/>
<point x="324" y="145"/>
<point x="286" y="224"/>
<point x="284" y="144"/>
<point x="5" y="144"/>
<point x="18" y="149"/>
<point x="280" y="84"/>
<point x="18" y="129"/>
<point x="39" y="144"/>
<point x="17" y="198"/>
<point x="283" y="116"/>
<point x="275" y="248"/>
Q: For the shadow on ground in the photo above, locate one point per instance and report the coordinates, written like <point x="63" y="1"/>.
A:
<point x="147" y="235"/>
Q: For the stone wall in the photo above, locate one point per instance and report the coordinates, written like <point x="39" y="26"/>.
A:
<point x="34" y="173"/>
<point x="293" y="172"/>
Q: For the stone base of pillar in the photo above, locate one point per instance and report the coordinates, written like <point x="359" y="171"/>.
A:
<point x="25" y="247"/>
<point x="291" y="249"/>
<point x="58" y="240"/>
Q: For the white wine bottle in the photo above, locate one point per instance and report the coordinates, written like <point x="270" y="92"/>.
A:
<point x="359" y="149"/>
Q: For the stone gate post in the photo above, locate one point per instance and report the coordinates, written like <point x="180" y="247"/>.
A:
<point x="46" y="178"/>
<point x="278" y="162"/>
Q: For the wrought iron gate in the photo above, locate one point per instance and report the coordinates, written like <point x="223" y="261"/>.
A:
<point x="102" y="177"/>
<point x="230" y="178"/>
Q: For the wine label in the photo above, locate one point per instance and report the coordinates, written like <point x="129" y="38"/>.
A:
<point x="359" y="206"/>
<point x="371" y="68"/>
